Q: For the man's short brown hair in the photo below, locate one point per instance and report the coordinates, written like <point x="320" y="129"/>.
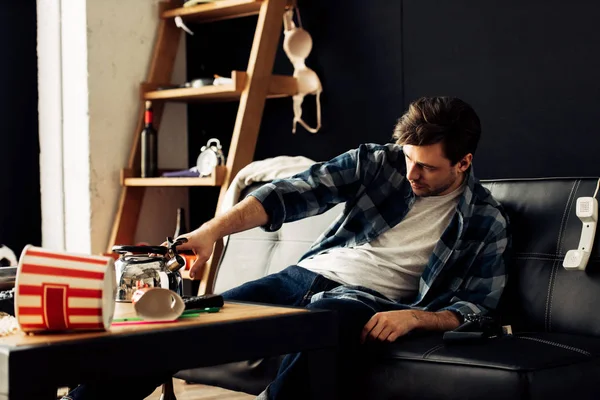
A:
<point x="449" y="120"/>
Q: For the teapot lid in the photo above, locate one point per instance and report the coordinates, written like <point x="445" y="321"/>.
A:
<point x="122" y="249"/>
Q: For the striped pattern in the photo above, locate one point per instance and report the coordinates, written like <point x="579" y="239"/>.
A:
<point x="57" y="291"/>
<point x="466" y="272"/>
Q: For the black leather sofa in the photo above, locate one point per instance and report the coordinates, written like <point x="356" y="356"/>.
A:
<point x="553" y="353"/>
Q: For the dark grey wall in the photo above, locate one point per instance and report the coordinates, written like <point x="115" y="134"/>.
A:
<point x="20" y="211"/>
<point x="529" y="68"/>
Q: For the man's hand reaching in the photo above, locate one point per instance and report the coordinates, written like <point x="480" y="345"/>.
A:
<point x="201" y="242"/>
<point x="249" y="213"/>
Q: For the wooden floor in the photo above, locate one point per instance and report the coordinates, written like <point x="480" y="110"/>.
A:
<point x="184" y="391"/>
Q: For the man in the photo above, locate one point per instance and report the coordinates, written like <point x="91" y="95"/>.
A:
<point x="420" y="243"/>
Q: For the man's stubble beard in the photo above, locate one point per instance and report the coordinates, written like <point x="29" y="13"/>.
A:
<point x="444" y="187"/>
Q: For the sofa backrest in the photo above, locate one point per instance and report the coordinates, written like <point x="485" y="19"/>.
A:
<point x="255" y="253"/>
<point x="541" y="294"/>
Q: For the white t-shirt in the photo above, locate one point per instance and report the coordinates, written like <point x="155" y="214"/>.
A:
<point x="393" y="262"/>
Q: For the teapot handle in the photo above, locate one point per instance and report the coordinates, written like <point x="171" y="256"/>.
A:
<point x="162" y="250"/>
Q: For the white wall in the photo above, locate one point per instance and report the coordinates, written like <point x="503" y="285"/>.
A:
<point x="76" y="126"/>
<point x="105" y="50"/>
<point x="50" y="126"/>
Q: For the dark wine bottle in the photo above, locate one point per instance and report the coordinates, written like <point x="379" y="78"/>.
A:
<point x="149" y="145"/>
<point x="180" y="227"/>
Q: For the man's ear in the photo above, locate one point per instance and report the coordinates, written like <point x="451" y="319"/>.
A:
<point x="465" y="163"/>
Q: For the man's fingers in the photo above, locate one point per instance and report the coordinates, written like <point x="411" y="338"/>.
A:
<point x="197" y="267"/>
<point x="392" y="337"/>
<point x="365" y="331"/>
<point x="184" y="246"/>
<point x="367" y="328"/>
<point x="377" y="330"/>
<point x="384" y="333"/>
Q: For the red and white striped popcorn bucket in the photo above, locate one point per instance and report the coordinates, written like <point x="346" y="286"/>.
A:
<point x="59" y="291"/>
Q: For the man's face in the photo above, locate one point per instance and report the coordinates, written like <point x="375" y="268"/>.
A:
<point x="430" y="173"/>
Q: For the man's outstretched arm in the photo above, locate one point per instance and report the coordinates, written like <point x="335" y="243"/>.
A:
<point x="247" y="214"/>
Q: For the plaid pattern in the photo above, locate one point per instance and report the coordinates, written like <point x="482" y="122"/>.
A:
<point x="466" y="272"/>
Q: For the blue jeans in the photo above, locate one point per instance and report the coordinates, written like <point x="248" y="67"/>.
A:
<point x="294" y="286"/>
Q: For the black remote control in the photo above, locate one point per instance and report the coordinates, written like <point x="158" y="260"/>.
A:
<point x="202" y="302"/>
<point x="475" y="327"/>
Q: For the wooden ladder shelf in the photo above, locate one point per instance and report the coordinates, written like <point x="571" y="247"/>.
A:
<point x="251" y="88"/>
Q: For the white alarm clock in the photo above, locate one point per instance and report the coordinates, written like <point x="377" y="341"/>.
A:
<point x="210" y="156"/>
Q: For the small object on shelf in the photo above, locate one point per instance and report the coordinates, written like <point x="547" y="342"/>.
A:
<point x="221" y="80"/>
<point x="149" y="147"/>
<point x="189" y="173"/>
<point x="200" y="82"/>
<point x="191" y="3"/>
<point x="180" y="24"/>
<point x="210" y="156"/>
<point x="196" y="83"/>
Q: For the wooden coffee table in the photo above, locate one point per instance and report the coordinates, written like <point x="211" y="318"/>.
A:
<point x="34" y="366"/>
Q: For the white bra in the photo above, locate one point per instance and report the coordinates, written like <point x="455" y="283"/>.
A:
<point x="297" y="44"/>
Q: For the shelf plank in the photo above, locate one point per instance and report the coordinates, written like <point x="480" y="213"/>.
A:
<point x="206" y="93"/>
<point x="215" y="11"/>
<point x="279" y="86"/>
<point x="216" y="179"/>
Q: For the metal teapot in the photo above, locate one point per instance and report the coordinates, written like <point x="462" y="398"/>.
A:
<point x="148" y="266"/>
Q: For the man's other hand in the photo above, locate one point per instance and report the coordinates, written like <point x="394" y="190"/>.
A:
<point x="389" y="326"/>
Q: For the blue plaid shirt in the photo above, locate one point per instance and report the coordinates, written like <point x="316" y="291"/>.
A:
<point x="466" y="272"/>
